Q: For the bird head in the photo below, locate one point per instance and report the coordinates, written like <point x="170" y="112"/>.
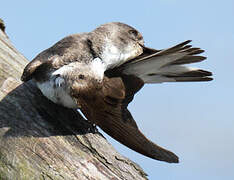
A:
<point x="117" y="40"/>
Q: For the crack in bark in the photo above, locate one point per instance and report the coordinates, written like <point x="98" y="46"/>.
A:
<point x="143" y="174"/>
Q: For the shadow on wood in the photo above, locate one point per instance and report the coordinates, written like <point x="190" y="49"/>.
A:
<point x="26" y="102"/>
<point x="42" y="140"/>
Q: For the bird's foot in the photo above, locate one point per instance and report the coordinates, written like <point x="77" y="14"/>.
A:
<point x="93" y="127"/>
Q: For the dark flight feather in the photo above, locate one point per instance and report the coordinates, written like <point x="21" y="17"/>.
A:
<point x="113" y="117"/>
<point x="157" y="63"/>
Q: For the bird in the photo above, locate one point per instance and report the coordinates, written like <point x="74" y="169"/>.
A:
<point x="99" y="72"/>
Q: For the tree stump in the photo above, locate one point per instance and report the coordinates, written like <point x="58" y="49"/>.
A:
<point x="42" y="140"/>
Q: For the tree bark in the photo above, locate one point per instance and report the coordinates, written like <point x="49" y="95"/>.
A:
<point x="42" y="140"/>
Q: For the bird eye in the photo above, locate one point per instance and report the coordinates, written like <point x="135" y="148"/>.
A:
<point x="81" y="76"/>
<point x="133" y="32"/>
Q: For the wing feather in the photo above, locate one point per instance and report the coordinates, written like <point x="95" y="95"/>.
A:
<point x="109" y="111"/>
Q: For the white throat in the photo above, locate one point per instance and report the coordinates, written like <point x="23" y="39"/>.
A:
<point x="98" y="67"/>
<point x="57" y="89"/>
<point x="114" y="56"/>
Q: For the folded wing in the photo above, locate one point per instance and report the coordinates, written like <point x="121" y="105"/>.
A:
<point x="112" y="116"/>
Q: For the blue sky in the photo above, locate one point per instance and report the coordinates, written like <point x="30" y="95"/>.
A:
<point x="194" y="120"/>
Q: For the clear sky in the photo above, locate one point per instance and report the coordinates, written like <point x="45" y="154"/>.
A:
<point x="194" y="120"/>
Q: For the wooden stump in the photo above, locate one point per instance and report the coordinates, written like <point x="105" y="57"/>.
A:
<point x="41" y="140"/>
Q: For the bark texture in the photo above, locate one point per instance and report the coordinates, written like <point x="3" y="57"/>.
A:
<point x="41" y="140"/>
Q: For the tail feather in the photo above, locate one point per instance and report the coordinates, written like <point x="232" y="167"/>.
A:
<point x="167" y="65"/>
<point x="192" y="79"/>
<point x="196" y="75"/>
<point x="177" y="47"/>
<point x="188" y="60"/>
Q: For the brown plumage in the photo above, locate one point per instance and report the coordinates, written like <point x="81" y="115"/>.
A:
<point x="105" y="104"/>
<point x="101" y="71"/>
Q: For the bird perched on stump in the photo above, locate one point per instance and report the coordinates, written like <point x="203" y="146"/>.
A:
<point x="100" y="72"/>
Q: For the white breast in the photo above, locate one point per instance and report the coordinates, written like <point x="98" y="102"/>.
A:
<point x="56" y="91"/>
<point x="111" y="56"/>
<point x="98" y="68"/>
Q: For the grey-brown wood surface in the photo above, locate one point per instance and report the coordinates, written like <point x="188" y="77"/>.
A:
<point x="41" y="140"/>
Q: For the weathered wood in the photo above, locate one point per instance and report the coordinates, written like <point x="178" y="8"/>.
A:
<point x="41" y="140"/>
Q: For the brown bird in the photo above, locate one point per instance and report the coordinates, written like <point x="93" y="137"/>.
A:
<point x="101" y="71"/>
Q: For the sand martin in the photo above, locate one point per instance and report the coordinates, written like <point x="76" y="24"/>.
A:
<point x="100" y="72"/>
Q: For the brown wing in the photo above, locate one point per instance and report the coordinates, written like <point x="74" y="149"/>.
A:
<point x="62" y="53"/>
<point x="108" y="110"/>
<point x="31" y="67"/>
